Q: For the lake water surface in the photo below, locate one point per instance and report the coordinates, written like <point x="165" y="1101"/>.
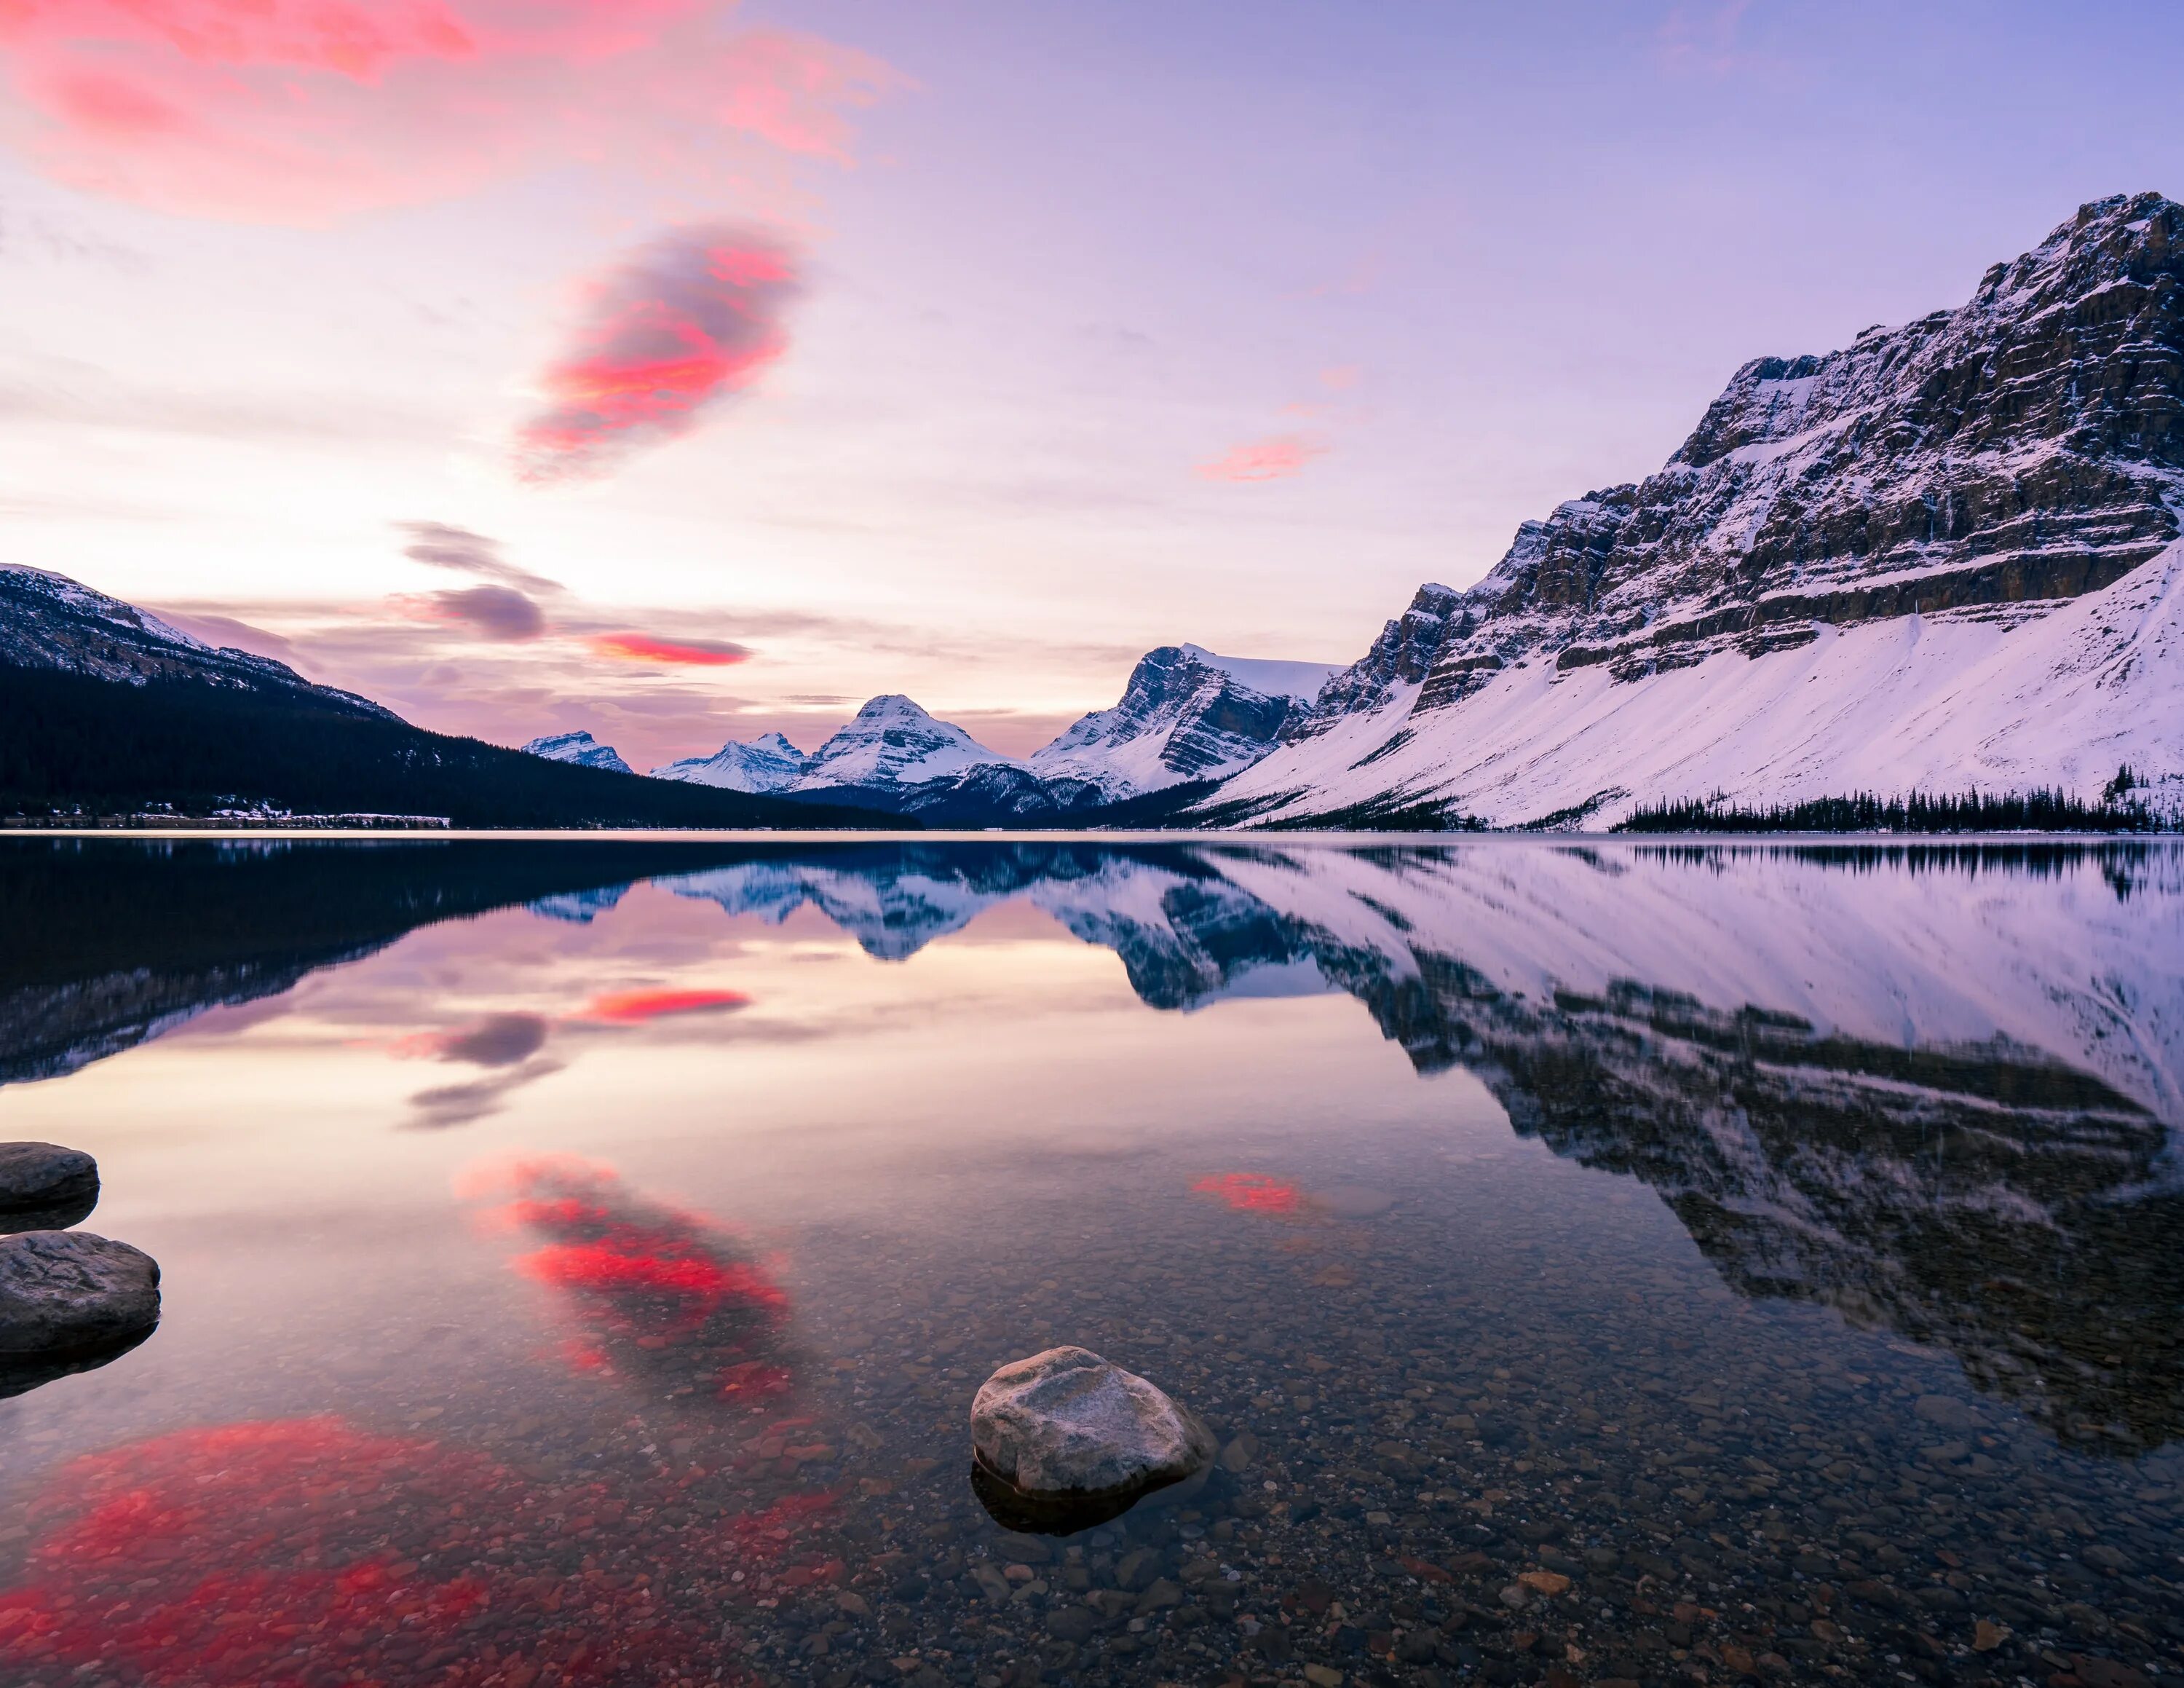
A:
<point x="1656" y="1265"/>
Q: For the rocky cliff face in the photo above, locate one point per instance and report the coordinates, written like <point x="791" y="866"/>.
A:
<point x="1966" y="476"/>
<point x="1399" y="658"/>
<point x="1187" y="714"/>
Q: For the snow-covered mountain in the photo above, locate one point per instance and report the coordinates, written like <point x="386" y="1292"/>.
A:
<point x="768" y="763"/>
<point x="50" y="622"/>
<point x="892" y="743"/>
<point x="579" y="748"/>
<point x="1186" y="714"/>
<point x="1945" y="556"/>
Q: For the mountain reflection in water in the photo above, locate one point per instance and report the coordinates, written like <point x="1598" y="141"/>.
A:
<point x="1934" y="1088"/>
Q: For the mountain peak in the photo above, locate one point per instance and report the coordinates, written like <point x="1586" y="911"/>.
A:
<point x="579" y="748"/>
<point x="1187" y="713"/>
<point x="766" y="763"/>
<point x="894" y="742"/>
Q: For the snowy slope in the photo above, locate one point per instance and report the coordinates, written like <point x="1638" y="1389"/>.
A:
<point x="1269" y="677"/>
<point x="768" y="763"/>
<point x="1186" y="714"/>
<point x="579" y="748"/>
<point x="894" y="743"/>
<point x="49" y="621"/>
<point x="1941" y="557"/>
<point x="1936" y="702"/>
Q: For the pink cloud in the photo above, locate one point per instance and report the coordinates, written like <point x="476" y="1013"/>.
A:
<point x="1272" y="459"/>
<point x="305" y="111"/>
<point x="686" y="319"/>
<point x="1340" y="378"/>
<point x="643" y="647"/>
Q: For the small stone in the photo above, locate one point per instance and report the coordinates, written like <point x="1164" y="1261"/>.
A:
<point x="1546" y="1582"/>
<point x="1322" y="1676"/>
<point x="853" y="1603"/>
<point x="1161" y="1593"/>
<point x="1947" y="1413"/>
<point x="1070" y="1624"/>
<point x="1986" y="1636"/>
<point x="1516" y="1596"/>
<point x="63" y="1291"/>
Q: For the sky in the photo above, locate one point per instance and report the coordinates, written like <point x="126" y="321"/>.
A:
<point x="683" y="371"/>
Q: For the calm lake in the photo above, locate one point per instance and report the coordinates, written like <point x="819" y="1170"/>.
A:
<point x="1599" y="1264"/>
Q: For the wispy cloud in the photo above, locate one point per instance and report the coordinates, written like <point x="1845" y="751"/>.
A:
<point x="686" y="319"/>
<point x="496" y="613"/>
<point x="1273" y="458"/>
<point x="439" y="544"/>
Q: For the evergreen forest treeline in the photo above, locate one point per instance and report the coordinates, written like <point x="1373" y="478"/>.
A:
<point x="2036" y="811"/>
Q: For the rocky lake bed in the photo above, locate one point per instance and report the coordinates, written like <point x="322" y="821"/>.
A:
<point x="1620" y="1350"/>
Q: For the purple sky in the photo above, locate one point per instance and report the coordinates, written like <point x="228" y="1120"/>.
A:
<point x="750" y="361"/>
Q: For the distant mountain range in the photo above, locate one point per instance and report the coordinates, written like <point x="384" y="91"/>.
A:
<point x="1946" y="557"/>
<point x="109" y="711"/>
<point x="1188" y="717"/>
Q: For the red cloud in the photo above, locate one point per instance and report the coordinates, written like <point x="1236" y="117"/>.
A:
<point x="643" y="647"/>
<point x="688" y="318"/>
<point x="634" y="1008"/>
<point x="301" y="110"/>
<point x="1263" y="459"/>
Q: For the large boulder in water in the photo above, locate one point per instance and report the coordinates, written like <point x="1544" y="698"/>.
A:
<point x="44" y="1186"/>
<point x="68" y="1292"/>
<point x="1065" y="1439"/>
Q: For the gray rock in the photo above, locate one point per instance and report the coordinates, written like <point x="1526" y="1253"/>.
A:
<point x="1068" y="1429"/>
<point x="66" y="1291"/>
<point x="45" y="1187"/>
